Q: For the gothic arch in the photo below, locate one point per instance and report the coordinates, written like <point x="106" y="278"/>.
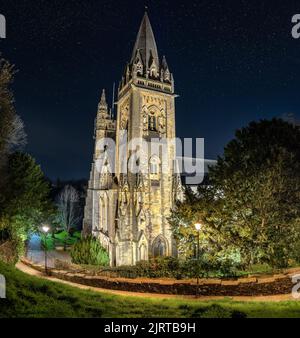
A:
<point x="142" y="253"/>
<point x="153" y="109"/>
<point x="154" y="167"/>
<point x="153" y="118"/>
<point x="160" y="246"/>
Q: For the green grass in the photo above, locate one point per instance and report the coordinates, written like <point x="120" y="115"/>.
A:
<point x="32" y="297"/>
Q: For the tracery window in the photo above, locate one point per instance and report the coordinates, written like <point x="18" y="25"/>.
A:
<point x="152" y="123"/>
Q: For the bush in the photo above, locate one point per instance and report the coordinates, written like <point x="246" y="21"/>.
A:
<point x="66" y="239"/>
<point x="61" y="236"/>
<point x="89" y="251"/>
<point x="9" y="252"/>
<point x="170" y="267"/>
<point x="160" y="267"/>
<point x="77" y="234"/>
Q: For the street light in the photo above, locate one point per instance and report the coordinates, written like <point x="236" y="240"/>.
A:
<point x="198" y="227"/>
<point x="45" y="229"/>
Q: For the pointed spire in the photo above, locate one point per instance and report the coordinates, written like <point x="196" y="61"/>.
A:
<point x="165" y="72"/>
<point x="145" y="44"/>
<point x="102" y="106"/>
<point x="164" y="63"/>
<point x="103" y="99"/>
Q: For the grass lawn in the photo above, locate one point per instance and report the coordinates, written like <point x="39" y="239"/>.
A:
<point x="31" y="297"/>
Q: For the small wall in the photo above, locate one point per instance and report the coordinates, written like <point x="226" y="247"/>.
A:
<point x="250" y="286"/>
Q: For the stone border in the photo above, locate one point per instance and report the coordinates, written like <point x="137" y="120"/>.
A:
<point x="250" y="286"/>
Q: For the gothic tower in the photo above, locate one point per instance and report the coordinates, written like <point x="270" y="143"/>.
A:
<point x="99" y="212"/>
<point x="129" y="209"/>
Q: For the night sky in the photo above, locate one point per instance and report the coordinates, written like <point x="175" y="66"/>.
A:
<point x="233" y="62"/>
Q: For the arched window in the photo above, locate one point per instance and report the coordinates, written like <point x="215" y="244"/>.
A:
<point x="152" y="125"/>
<point x="159" y="247"/>
<point x="154" y="167"/>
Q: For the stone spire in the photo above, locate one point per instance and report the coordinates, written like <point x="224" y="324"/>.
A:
<point x="104" y="120"/>
<point x="164" y="63"/>
<point x="165" y="72"/>
<point x="145" y="45"/>
<point x="102" y="106"/>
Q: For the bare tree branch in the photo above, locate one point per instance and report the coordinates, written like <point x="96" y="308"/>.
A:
<point x="67" y="203"/>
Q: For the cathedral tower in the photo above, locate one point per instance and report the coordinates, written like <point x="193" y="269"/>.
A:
<point x="129" y="211"/>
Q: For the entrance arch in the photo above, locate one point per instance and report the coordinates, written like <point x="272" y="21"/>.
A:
<point x="160" y="246"/>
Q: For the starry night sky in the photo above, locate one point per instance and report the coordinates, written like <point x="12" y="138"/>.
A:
<point x="233" y="62"/>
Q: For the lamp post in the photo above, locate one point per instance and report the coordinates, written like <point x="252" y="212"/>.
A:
<point x="45" y="229"/>
<point x="198" y="227"/>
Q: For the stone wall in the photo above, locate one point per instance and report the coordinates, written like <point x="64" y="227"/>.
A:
<point x="250" y="286"/>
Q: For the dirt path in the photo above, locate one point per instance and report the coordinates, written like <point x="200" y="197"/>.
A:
<point x="277" y="298"/>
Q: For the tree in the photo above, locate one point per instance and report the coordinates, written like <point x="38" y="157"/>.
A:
<point x="251" y="210"/>
<point x="12" y="134"/>
<point x="68" y="209"/>
<point x="26" y="201"/>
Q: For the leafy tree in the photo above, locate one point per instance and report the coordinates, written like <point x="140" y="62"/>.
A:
<point x="26" y="201"/>
<point x="251" y="210"/>
<point x="23" y="189"/>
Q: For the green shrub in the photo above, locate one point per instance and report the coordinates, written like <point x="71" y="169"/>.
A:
<point x="48" y="242"/>
<point x="61" y="236"/>
<point x="89" y="251"/>
<point x="170" y="267"/>
<point x="66" y="239"/>
<point x="77" y="234"/>
<point x="159" y="267"/>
